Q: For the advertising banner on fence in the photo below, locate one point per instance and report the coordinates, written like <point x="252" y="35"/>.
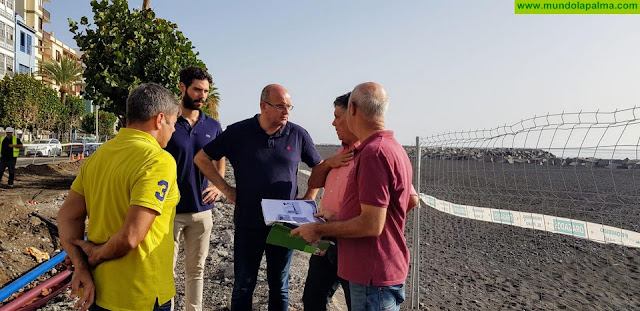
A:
<point x="573" y="227"/>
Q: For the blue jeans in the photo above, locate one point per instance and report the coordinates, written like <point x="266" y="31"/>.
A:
<point x="376" y="298"/>
<point x="249" y="245"/>
<point x="164" y="307"/>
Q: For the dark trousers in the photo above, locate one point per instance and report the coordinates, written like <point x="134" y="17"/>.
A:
<point x="11" y="164"/>
<point x="249" y="245"/>
<point x="323" y="281"/>
<point x="164" y="307"/>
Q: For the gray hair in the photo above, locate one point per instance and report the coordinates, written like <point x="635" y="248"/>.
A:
<point x="264" y="95"/>
<point x="342" y="101"/>
<point x="148" y="100"/>
<point x="371" y="98"/>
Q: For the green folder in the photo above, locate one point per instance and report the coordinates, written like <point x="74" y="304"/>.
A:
<point x="279" y="235"/>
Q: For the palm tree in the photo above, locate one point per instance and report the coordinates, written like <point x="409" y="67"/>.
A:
<point x="66" y="75"/>
<point x="213" y="101"/>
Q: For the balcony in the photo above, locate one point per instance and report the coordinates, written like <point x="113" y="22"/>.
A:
<point x="46" y="54"/>
<point x="4" y="43"/>
<point x="46" y="16"/>
<point x="68" y="54"/>
<point x="8" y="15"/>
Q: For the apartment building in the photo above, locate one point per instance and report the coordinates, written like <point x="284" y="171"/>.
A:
<point x="24" y="48"/>
<point x="47" y="48"/>
<point x="56" y="50"/>
<point x="35" y="16"/>
<point x="7" y="37"/>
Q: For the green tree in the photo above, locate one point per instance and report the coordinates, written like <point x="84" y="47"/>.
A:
<point x="124" y="48"/>
<point x="106" y="121"/>
<point x="66" y="74"/>
<point x="50" y="110"/>
<point x="18" y="101"/>
<point x="24" y="101"/>
<point x="74" y="110"/>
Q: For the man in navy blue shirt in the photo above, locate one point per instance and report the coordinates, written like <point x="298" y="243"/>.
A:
<point x="194" y="129"/>
<point x="265" y="152"/>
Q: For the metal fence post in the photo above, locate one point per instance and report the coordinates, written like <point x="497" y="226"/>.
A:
<point x="415" y="254"/>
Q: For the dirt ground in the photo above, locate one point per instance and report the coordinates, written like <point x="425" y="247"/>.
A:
<point x="46" y="187"/>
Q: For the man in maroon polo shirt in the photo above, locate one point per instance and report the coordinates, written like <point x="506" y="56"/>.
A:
<point x="373" y="256"/>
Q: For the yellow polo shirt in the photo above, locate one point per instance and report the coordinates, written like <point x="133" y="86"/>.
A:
<point x="131" y="169"/>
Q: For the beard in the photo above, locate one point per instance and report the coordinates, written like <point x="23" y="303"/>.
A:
<point x="190" y="103"/>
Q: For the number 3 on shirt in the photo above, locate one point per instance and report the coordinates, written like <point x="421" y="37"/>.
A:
<point x="161" y="194"/>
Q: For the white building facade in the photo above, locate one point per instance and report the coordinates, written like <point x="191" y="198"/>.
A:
<point x="7" y="37"/>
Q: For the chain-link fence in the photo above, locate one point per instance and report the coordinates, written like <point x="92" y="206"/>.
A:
<point x="539" y="215"/>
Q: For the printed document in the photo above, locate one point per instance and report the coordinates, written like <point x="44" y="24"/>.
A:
<point x="295" y="212"/>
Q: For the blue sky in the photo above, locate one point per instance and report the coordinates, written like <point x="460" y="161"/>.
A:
<point x="447" y="65"/>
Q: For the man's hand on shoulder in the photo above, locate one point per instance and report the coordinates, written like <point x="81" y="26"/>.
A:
<point x="340" y="159"/>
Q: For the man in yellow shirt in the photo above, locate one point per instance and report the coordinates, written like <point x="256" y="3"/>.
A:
<point x="128" y="191"/>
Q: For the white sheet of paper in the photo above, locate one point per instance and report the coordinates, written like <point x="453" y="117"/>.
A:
<point x="295" y="212"/>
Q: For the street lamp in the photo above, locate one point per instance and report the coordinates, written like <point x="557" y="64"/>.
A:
<point x="97" y="137"/>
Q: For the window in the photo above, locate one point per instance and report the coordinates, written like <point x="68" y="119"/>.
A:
<point x="10" y="4"/>
<point x="40" y="44"/>
<point x="2" y="31"/>
<point x="23" y="69"/>
<point x="2" y="1"/>
<point x="29" y="46"/>
<point x="10" y="35"/>
<point x="9" y="64"/>
<point x="23" y="42"/>
<point x="58" y="56"/>
<point x="2" y="65"/>
<point x="40" y="23"/>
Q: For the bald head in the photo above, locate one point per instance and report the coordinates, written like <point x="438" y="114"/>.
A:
<point x="371" y="99"/>
<point x="276" y="90"/>
<point x="275" y="105"/>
